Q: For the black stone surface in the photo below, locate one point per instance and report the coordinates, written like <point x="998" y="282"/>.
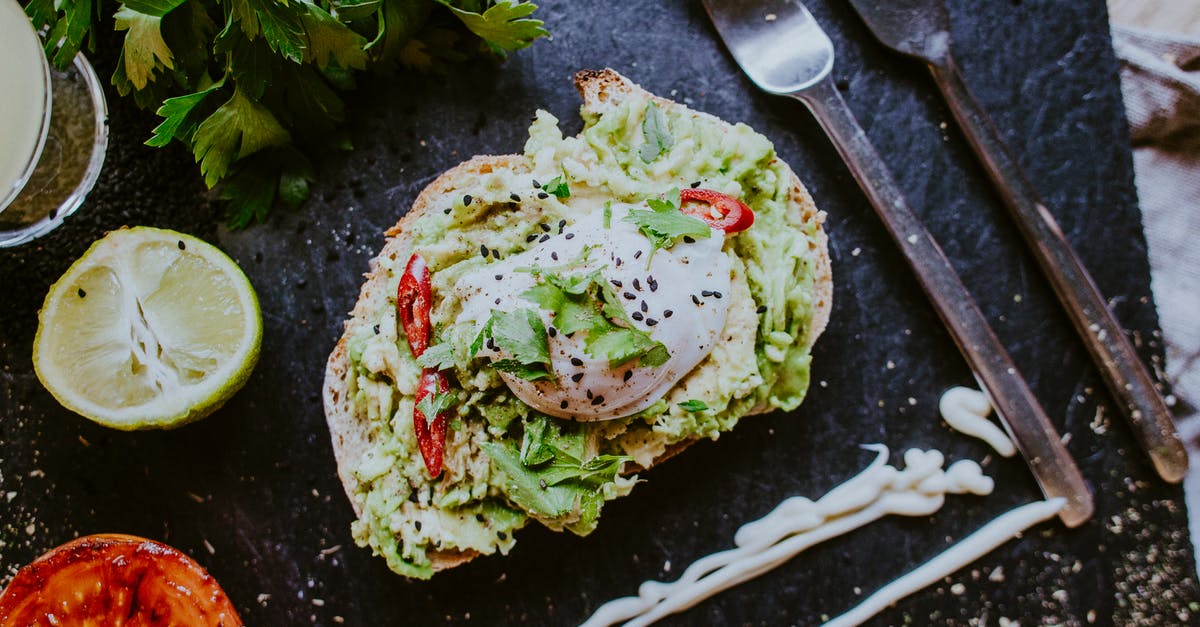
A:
<point x="251" y="492"/>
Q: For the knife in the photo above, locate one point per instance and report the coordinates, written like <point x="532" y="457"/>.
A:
<point x="921" y="29"/>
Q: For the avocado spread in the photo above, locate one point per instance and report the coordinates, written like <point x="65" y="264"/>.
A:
<point x="506" y="463"/>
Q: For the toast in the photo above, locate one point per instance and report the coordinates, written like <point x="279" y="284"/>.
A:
<point x="423" y="525"/>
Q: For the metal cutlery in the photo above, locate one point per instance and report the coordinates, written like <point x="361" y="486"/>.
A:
<point x="783" y="50"/>
<point x="921" y="29"/>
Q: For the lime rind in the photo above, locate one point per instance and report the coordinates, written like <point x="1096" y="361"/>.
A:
<point x="150" y="349"/>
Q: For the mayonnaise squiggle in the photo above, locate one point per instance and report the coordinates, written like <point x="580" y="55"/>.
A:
<point x="966" y="411"/>
<point x="799" y="523"/>
<point x="1000" y="530"/>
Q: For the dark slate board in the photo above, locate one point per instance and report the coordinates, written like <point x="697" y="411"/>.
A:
<point x="256" y="481"/>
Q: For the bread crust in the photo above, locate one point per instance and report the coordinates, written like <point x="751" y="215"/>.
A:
<point x="352" y="433"/>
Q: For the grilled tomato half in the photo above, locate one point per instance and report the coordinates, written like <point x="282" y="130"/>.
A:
<point x="113" y="579"/>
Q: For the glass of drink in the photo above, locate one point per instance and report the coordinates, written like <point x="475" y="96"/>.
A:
<point x="53" y="132"/>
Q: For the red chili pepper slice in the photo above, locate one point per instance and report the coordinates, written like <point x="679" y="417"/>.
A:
<point x="431" y="434"/>
<point x="414" y="298"/>
<point x="718" y="210"/>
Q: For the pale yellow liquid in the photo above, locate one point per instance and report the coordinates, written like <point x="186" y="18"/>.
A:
<point x="23" y="88"/>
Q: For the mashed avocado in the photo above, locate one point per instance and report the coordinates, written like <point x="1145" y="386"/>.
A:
<point x="506" y="464"/>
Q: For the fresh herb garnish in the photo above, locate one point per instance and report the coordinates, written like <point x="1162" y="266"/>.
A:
<point x="558" y="186"/>
<point x="607" y="214"/>
<point x="694" y="405"/>
<point x="439" y="356"/>
<point x="252" y="87"/>
<point x="586" y="302"/>
<point x="655" y="133"/>
<point x="664" y="225"/>
<point x="522" y="335"/>
<point x="434" y="404"/>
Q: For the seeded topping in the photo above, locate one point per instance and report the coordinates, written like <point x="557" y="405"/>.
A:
<point x="543" y="195"/>
<point x="695" y="184"/>
<point x="637" y="285"/>
<point x="499" y="276"/>
<point x="652" y="283"/>
<point x="615" y="282"/>
<point x="569" y="236"/>
<point x="688" y="239"/>
<point x="637" y="315"/>
<point x="668" y="313"/>
<point x="577" y="377"/>
<point x="536" y="184"/>
<point x="561" y="224"/>
<point x="543" y="226"/>
<point x="628" y="374"/>
<point x="629" y="296"/>
<point x="637" y="255"/>
<point x="695" y="300"/>
<point x="706" y="293"/>
<point x="598" y="400"/>
<point x="762" y="309"/>
<point x="82" y="294"/>
<point x="446" y="211"/>
<point x="645" y="307"/>
<point x="543" y="238"/>
<point x="554" y="255"/>
<point x="716" y="294"/>
<point x="619" y="262"/>
<point x="467" y="199"/>
<point x="182" y="246"/>
<point x="575" y="361"/>
<point x="497" y="301"/>
<point x="529" y="240"/>
<point x="515" y="197"/>
<point x="483" y="251"/>
<point x="651" y="322"/>
<point x="589" y="394"/>
<point x="562" y="405"/>
<point x="495" y="254"/>
<point x="376" y="329"/>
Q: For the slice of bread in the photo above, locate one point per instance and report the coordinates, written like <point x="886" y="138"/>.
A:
<point x="351" y="429"/>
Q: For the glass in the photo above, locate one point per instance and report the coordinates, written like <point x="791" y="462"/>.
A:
<point x="53" y="132"/>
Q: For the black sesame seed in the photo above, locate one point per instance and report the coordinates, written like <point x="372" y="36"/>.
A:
<point x="695" y="300"/>
<point x="645" y="307"/>
<point x="545" y="227"/>
<point x="569" y="236"/>
<point x="82" y="294"/>
<point x="562" y="405"/>
<point x="615" y="282"/>
<point x="628" y="375"/>
<point x="479" y="517"/>
<point x="637" y="255"/>
<point x="467" y="199"/>
<point x="552" y="331"/>
<point x="543" y="195"/>
<point x="536" y="184"/>
<point x="619" y="262"/>
<point x="637" y="285"/>
<point x="376" y="329"/>
<point x="589" y="394"/>
<point x="417" y="525"/>
<point x="515" y="197"/>
<point x="531" y="238"/>
<point x="716" y="294"/>
<point x="446" y="211"/>
<point x="651" y="322"/>
<point x="629" y="296"/>
<point x="575" y="361"/>
<point x="554" y="255"/>
<point x="491" y="343"/>
<point x="668" y="313"/>
<point x="543" y="238"/>
<point x="762" y="309"/>
<point x="695" y="184"/>
<point x="637" y="315"/>
<point x="561" y="224"/>
<point x="706" y="293"/>
<point x="598" y="400"/>
<point x="412" y="496"/>
<point x="483" y="251"/>
<point x="687" y="239"/>
<point x="495" y="253"/>
<point x="182" y="246"/>
<point x="501" y="534"/>
<point x="652" y="283"/>
<point x="577" y="377"/>
<point x="497" y="301"/>
<point x="542" y="482"/>
<point x="499" y="276"/>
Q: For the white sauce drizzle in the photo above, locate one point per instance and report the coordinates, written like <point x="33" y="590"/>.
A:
<point x="966" y="411"/>
<point x="1000" y="530"/>
<point x="799" y="523"/>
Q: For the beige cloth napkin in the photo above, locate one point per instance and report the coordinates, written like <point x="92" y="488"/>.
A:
<point x="1160" y="79"/>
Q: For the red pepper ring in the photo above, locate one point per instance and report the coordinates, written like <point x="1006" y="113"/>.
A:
<point x="718" y="210"/>
<point x="414" y="298"/>
<point x="431" y="434"/>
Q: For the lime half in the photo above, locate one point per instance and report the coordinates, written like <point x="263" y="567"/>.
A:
<point x="149" y="329"/>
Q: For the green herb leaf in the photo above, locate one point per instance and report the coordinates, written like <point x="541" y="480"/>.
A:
<point x="558" y="187"/>
<point x="439" y="356"/>
<point x="656" y="134"/>
<point x="522" y="335"/>
<point x="143" y="52"/>
<point x="505" y="26"/>
<point x="664" y="225"/>
<point x="180" y="122"/>
<point x="330" y="41"/>
<point x="434" y="404"/>
<point x="607" y="214"/>
<point x="694" y="405"/>
<point x="238" y="128"/>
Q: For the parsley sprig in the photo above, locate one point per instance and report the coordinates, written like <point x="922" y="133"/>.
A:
<point x="664" y="225"/>
<point x="252" y="87"/>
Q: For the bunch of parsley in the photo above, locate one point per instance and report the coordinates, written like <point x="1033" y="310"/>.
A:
<point x="251" y="86"/>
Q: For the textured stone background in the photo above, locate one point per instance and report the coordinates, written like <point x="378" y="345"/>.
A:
<point x="252" y="492"/>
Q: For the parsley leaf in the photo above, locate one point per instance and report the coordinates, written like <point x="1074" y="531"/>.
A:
<point x="607" y="214"/>
<point x="693" y="405"/>
<point x="238" y="128"/>
<point x="521" y="334"/>
<point x="434" y="404"/>
<point x="143" y="52"/>
<point x="664" y="225"/>
<point x="439" y="356"/>
<point x="557" y="186"/>
<point x="656" y="134"/>
<point x="505" y="26"/>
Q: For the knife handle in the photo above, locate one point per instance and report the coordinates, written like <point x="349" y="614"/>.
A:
<point x="1032" y="432"/>
<point x="1111" y="350"/>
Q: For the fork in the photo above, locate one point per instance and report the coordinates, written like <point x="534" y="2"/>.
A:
<point x="921" y="29"/>
<point x="783" y="50"/>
